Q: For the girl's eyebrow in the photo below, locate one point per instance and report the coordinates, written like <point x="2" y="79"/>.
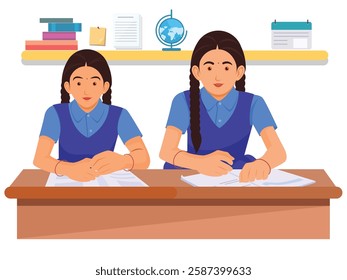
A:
<point x="95" y="77"/>
<point x="77" y="77"/>
<point x="209" y="62"/>
<point x="227" y="62"/>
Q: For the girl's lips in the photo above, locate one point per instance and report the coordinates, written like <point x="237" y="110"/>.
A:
<point x="218" y="85"/>
<point x="86" y="98"/>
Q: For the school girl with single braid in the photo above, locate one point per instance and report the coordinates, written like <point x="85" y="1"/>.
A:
<point x="219" y="116"/>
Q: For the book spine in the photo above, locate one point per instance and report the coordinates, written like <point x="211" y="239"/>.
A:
<point x="58" y="35"/>
<point x="64" y="27"/>
<point x="51" y="47"/>
<point x="50" y="42"/>
<point x="47" y="20"/>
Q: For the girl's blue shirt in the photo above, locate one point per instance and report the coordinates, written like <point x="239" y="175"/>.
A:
<point x="219" y="111"/>
<point x="89" y="123"/>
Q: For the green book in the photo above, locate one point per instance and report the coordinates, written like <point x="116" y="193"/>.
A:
<point x="47" y="20"/>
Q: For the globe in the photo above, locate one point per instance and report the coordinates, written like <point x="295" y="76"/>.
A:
<point x="170" y="32"/>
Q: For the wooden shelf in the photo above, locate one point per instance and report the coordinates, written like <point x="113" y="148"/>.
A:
<point x="264" y="57"/>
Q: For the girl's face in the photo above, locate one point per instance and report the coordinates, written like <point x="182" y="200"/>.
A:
<point x="86" y="85"/>
<point x="218" y="72"/>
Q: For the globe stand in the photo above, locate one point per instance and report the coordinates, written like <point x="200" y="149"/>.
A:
<point x="171" y="49"/>
<point x="170" y="32"/>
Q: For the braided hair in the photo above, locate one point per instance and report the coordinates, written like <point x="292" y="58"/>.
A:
<point x="86" y="58"/>
<point x="210" y="41"/>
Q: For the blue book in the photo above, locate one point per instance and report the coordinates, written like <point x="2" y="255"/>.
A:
<point x="64" y="27"/>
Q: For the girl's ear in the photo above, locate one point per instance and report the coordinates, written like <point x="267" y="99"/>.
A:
<point x="240" y="71"/>
<point x="106" y="86"/>
<point x="196" y="72"/>
<point x="67" y="87"/>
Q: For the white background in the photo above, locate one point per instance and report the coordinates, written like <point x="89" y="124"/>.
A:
<point x="307" y="102"/>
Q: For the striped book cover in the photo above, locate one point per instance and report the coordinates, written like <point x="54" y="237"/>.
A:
<point x="47" y="20"/>
<point x="58" y="35"/>
<point x="64" y="27"/>
<point x="51" y="44"/>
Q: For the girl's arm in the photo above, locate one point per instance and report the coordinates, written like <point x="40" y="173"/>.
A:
<point x="43" y="159"/>
<point x="275" y="155"/>
<point x="211" y="164"/>
<point x="77" y="171"/>
<point x="138" y="152"/>
<point x="108" y="161"/>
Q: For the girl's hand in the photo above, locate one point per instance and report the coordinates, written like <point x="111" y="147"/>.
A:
<point x="256" y="170"/>
<point x="108" y="162"/>
<point x="79" y="171"/>
<point x="215" y="164"/>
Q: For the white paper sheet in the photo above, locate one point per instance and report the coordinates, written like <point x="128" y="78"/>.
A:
<point x="127" y="31"/>
<point x="116" y="179"/>
<point x="277" y="178"/>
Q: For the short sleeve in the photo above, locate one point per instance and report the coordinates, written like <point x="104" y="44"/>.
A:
<point x="179" y="113"/>
<point x="260" y="115"/>
<point x="51" y="124"/>
<point x="127" y="128"/>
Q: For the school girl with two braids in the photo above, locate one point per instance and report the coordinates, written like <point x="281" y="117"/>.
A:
<point x="88" y="127"/>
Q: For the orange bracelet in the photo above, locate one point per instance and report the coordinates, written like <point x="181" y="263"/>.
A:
<point x="55" y="168"/>
<point x="266" y="163"/>
<point x="173" y="160"/>
<point x="126" y="169"/>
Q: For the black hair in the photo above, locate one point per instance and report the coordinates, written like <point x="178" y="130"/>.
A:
<point x="210" y="41"/>
<point x="90" y="58"/>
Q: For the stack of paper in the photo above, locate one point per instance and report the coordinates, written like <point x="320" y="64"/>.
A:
<point x="116" y="179"/>
<point x="127" y="31"/>
<point x="277" y="178"/>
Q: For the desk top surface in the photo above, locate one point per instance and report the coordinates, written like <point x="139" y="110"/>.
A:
<point x="167" y="185"/>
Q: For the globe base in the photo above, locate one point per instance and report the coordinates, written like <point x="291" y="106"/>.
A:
<point x="171" y="49"/>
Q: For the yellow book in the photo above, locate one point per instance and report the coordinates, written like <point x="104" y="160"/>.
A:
<point x="97" y="36"/>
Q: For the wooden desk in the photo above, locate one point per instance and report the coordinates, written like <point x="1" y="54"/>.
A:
<point x="169" y="208"/>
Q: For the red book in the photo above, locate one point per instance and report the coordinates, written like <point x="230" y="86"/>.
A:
<point x="51" y="45"/>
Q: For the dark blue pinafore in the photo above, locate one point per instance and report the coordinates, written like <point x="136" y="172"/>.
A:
<point x="74" y="146"/>
<point x="232" y="137"/>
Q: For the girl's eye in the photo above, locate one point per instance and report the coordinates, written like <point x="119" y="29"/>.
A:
<point x="226" y="68"/>
<point x="78" y="83"/>
<point x="209" y="68"/>
<point x="94" y="83"/>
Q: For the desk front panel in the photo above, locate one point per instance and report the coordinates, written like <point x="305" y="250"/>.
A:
<point x="72" y="219"/>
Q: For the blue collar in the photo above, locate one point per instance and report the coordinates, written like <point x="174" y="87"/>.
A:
<point x="78" y="114"/>
<point x="229" y="101"/>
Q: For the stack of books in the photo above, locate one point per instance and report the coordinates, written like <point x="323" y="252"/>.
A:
<point x="61" y="35"/>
